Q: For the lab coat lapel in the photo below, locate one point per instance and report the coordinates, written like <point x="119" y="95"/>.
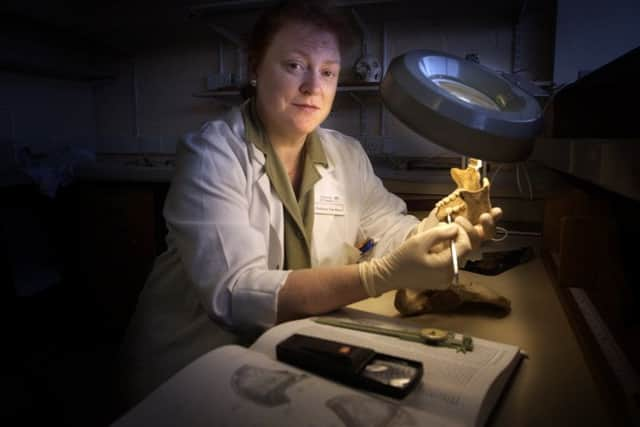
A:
<point x="331" y="232"/>
<point x="327" y="177"/>
<point x="272" y="205"/>
<point x="261" y="178"/>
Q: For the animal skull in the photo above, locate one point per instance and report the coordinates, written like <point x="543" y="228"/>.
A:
<point x="368" y="69"/>
<point x="470" y="199"/>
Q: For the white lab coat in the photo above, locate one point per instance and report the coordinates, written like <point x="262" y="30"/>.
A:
<point x="225" y="241"/>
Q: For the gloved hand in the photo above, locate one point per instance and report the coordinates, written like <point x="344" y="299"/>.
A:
<point x="427" y="223"/>
<point x="484" y="230"/>
<point x="415" y="264"/>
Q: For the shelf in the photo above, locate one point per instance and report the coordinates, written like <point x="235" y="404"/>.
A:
<point x="226" y="92"/>
<point x="215" y="93"/>
<point x="347" y="87"/>
<point x="608" y="163"/>
<point x="359" y="88"/>
<point x="55" y="71"/>
<point x="214" y="9"/>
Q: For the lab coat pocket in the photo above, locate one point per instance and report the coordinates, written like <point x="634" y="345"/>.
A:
<point x="332" y="242"/>
<point x="351" y="253"/>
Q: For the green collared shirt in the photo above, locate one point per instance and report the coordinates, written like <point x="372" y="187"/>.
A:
<point x="299" y="212"/>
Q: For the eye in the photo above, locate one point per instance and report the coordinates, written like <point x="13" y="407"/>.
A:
<point x="295" y="66"/>
<point x="329" y="73"/>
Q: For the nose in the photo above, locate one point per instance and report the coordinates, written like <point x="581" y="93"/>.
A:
<point x="311" y="83"/>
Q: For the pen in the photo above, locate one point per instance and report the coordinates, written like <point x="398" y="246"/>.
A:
<point x="365" y="248"/>
<point x="454" y="254"/>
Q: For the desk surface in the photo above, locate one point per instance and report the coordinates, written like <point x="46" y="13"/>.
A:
<point x="553" y="387"/>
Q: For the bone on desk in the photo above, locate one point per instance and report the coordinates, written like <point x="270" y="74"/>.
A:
<point x="554" y="386"/>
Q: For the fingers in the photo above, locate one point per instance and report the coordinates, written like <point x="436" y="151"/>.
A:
<point x="465" y="224"/>
<point x="439" y="244"/>
<point x="463" y="243"/>
<point x="496" y="213"/>
<point x="486" y="227"/>
<point x="429" y="222"/>
<point x="488" y="223"/>
<point x="474" y="233"/>
<point x="440" y="234"/>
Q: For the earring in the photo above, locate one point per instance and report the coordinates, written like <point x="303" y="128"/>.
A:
<point x="253" y="82"/>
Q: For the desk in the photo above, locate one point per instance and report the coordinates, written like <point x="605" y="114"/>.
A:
<point x="553" y="387"/>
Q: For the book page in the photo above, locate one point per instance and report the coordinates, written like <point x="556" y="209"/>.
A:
<point x="459" y="386"/>
<point x="233" y="386"/>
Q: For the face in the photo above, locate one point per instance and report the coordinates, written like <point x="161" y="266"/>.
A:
<point x="297" y="80"/>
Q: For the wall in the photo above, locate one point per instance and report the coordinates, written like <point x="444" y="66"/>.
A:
<point x="44" y="114"/>
<point x="47" y="116"/>
<point x="150" y="106"/>
<point x="168" y="73"/>
<point x="591" y="33"/>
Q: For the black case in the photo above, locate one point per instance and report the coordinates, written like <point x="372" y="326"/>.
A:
<point x="343" y="363"/>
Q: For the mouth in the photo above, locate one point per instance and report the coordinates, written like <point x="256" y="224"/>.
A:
<point x="307" y="106"/>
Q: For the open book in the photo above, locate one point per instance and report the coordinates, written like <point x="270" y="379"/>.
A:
<point x="236" y="386"/>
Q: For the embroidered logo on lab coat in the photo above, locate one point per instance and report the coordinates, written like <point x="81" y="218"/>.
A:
<point x="329" y="205"/>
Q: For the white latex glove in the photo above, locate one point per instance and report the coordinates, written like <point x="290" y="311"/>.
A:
<point x="484" y="230"/>
<point x="427" y="223"/>
<point x="421" y="262"/>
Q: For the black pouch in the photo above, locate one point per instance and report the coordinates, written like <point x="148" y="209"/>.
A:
<point x="351" y="365"/>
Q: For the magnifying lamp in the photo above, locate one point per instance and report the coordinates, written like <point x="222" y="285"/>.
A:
<point x="462" y="106"/>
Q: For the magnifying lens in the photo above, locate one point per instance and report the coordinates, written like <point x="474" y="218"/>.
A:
<point x="462" y="105"/>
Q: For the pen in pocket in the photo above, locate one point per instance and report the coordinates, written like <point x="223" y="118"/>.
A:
<point x="365" y="248"/>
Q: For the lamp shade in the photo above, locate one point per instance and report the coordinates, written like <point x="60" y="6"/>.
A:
<point x="462" y="106"/>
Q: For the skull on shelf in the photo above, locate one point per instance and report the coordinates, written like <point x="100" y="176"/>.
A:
<point x="368" y="69"/>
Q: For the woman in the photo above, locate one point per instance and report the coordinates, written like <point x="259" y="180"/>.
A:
<point x="265" y="210"/>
